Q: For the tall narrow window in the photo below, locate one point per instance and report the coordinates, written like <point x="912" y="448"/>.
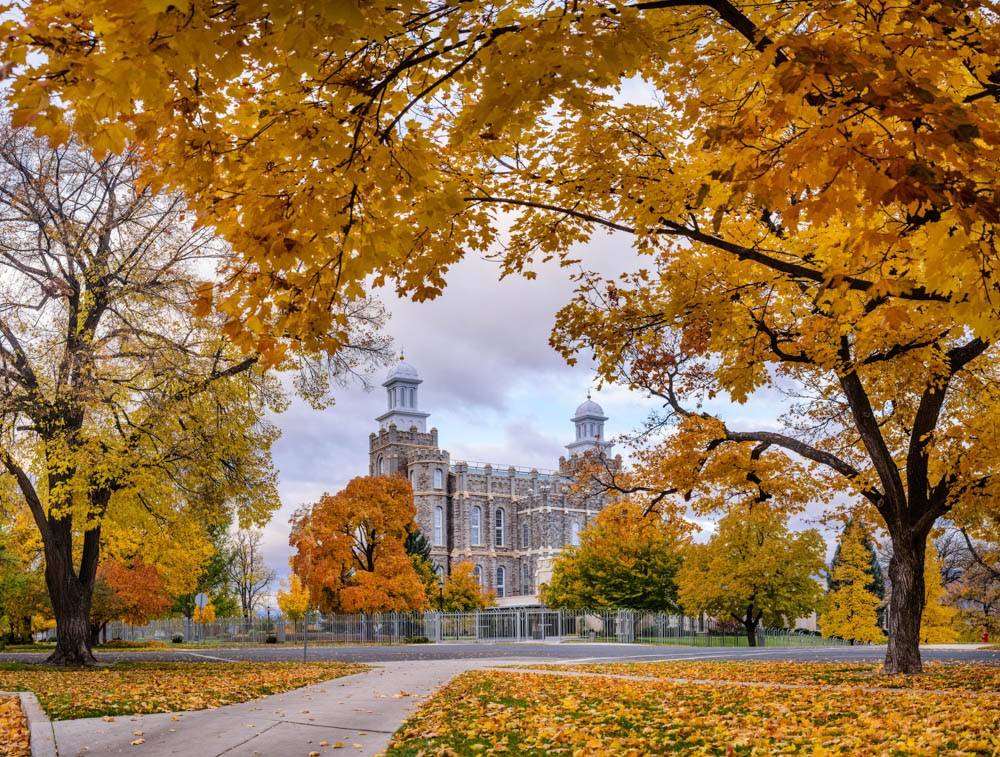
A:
<point x="499" y="528"/>
<point x="525" y="534"/>
<point x="380" y="466"/>
<point x="478" y="574"/>
<point x="525" y="578"/>
<point x="438" y="478"/>
<point x="574" y="534"/>
<point x="439" y="569"/>
<point x="501" y="587"/>
<point x="475" y="526"/>
<point x="438" y="526"/>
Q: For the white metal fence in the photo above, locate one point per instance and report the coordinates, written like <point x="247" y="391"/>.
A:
<point x="506" y="624"/>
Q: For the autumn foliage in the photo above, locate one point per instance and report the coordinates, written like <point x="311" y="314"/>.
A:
<point x="754" y="571"/>
<point x="294" y="600"/>
<point x="626" y="558"/>
<point x="461" y="592"/>
<point x="350" y="550"/>
<point x="809" y="189"/>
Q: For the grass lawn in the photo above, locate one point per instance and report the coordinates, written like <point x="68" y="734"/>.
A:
<point x="14" y="741"/>
<point x="831" y="710"/>
<point x="127" y="688"/>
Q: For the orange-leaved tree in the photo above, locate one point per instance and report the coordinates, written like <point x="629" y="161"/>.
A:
<point x="810" y="186"/>
<point x="350" y="547"/>
<point x="134" y="593"/>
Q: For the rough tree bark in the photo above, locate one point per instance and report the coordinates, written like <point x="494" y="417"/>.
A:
<point x="906" y="572"/>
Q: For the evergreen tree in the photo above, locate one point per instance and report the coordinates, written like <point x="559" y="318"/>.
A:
<point x="852" y="608"/>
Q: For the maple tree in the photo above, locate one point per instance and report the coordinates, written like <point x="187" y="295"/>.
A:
<point x="626" y="558"/>
<point x="753" y="570"/>
<point x="350" y="547"/>
<point x="810" y="188"/>
<point x="121" y="409"/>
<point x="132" y="593"/>
<point x="851" y="610"/>
<point x="294" y="601"/>
<point x="936" y="622"/>
<point x="461" y="591"/>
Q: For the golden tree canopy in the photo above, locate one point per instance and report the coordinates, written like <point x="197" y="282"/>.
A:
<point x="754" y="570"/>
<point x="294" y="601"/>
<point x="626" y="558"/>
<point x="844" y="146"/>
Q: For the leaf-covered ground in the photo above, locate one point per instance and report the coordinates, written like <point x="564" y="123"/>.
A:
<point x="13" y="729"/>
<point x="937" y="675"/>
<point x="144" y="687"/>
<point x="506" y="712"/>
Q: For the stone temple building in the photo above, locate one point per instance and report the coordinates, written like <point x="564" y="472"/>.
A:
<point x="508" y="521"/>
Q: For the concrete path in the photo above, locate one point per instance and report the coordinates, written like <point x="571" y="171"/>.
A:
<point x="360" y="711"/>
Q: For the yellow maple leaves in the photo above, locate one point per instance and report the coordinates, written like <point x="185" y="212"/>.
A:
<point x="499" y="712"/>
<point x="14" y="737"/>
<point x="132" y="688"/>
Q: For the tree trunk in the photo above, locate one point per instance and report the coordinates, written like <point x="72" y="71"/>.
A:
<point x="71" y="594"/>
<point x="751" y="626"/>
<point x="906" y="572"/>
<point x="71" y="607"/>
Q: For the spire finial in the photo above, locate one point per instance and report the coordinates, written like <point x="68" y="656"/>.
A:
<point x="588" y="394"/>
<point x="402" y="357"/>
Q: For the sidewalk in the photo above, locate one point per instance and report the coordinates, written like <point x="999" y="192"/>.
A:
<point x="360" y="711"/>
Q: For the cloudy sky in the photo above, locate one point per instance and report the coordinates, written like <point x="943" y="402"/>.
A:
<point x="495" y="389"/>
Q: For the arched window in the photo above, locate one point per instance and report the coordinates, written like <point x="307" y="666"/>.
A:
<point x="413" y="479"/>
<point x="574" y="534"/>
<point x="439" y="570"/>
<point x="413" y="397"/>
<point x="438" y="478"/>
<point x="498" y="528"/>
<point x="380" y="466"/>
<point x="438" y="526"/>
<point x="525" y="534"/>
<point x="501" y="587"/>
<point x="477" y="573"/>
<point x="525" y="578"/>
<point x="475" y="526"/>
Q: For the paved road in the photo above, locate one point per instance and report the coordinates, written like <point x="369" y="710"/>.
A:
<point x="537" y="651"/>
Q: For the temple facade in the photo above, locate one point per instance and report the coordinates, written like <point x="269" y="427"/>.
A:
<point x="508" y="521"/>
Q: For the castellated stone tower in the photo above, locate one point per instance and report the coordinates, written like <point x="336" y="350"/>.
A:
<point x="509" y="522"/>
